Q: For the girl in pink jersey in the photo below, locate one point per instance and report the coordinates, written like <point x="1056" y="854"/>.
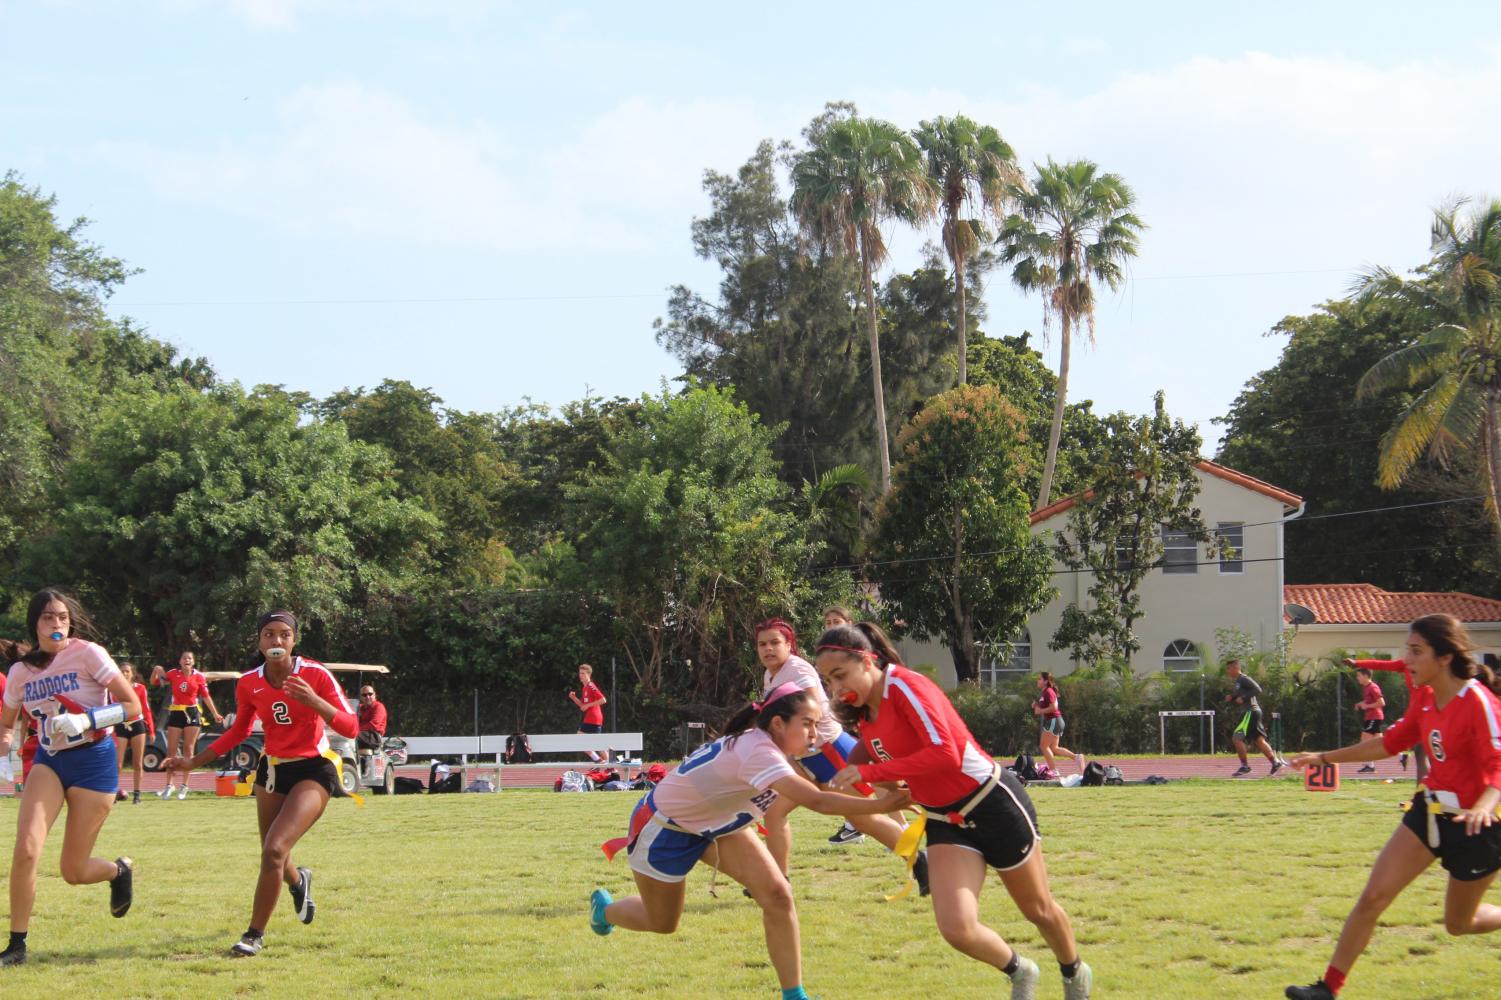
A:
<point x="977" y="815"/>
<point x="707" y="808"/>
<point x="1456" y="717"/>
<point x="64" y="684"/>
<point x="776" y="647"/>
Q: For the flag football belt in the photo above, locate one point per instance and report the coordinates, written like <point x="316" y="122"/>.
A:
<point x="908" y="844"/>
<point x="174" y="707"/>
<point x="614" y="845"/>
<point x="272" y="762"/>
<point x="1439" y="803"/>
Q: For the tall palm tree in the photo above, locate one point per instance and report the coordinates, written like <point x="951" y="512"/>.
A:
<point x="1073" y="228"/>
<point x="971" y="167"/>
<point x="859" y="174"/>
<point x="1459" y="358"/>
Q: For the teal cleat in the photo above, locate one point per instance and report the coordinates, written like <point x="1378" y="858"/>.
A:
<point x="597" y="903"/>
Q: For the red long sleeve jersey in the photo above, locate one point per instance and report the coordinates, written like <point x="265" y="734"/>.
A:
<point x="919" y="738"/>
<point x="1389" y="665"/>
<point x="1463" y="740"/>
<point x="292" y="728"/>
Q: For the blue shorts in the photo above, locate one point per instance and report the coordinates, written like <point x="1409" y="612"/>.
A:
<point x="831" y="759"/>
<point x="667" y="854"/>
<point x="92" y="766"/>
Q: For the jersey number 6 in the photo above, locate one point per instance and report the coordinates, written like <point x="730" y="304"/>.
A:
<point x="281" y="713"/>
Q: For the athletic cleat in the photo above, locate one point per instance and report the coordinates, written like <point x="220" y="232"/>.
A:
<point x="1368" y="769"/>
<point x="847" y="834"/>
<point x="14" y="955"/>
<point x="920" y="872"/>
<point x="248" y="946"/>
<point x="302" y="895"/>
<point x="165" y="793"/>
<point x="1024" y="980"/>
<point x="1243" y="769"/>
<point x="1079" y="986"/>
<point x="182" y="795"/>
<point x="1277" y="765"/>
<point x="135" y="798"/>
<point x="1313" y="991"/>
<point x="121" y="887"/>
<point x="598" y="900"/>
<point x="1403" y="760"/>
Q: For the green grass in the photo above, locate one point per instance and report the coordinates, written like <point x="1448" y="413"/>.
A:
<point x="1189" y="890"/>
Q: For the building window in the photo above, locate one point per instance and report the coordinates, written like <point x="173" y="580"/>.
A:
<point x="1180" y="553"/>
<point x="1181" y="654"/>
<point x="1231" y="536"/>
<point x="1015" y="657"/>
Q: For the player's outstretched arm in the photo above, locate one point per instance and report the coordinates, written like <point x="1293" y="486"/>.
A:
<point x="804" y="793"/>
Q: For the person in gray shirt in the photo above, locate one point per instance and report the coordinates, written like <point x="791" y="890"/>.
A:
<point x="1251" y="729"/>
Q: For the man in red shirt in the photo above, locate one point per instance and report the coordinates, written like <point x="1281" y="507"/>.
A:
<point x="372" y="733"/>
<point x="590" y="701"/>
<point x="1372" y="703"/>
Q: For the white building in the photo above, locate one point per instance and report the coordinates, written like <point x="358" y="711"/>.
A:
<point x="1185" y="600"/>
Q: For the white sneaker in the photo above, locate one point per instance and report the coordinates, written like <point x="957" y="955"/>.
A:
<point x="1024" y="981"/>
<point x="165" y="793"/>
<point x="182" y="794"/>
<point x="1078" y="987"/>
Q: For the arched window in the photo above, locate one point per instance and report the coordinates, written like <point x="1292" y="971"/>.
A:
<point x="1181" y="654"/>
<point x="1013" y="658"/>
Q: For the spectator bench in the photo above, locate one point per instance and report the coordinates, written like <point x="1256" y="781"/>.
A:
<point x="535" y="774"/>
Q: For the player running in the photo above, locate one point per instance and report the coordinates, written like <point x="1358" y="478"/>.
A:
<point x="1400" y="667"/>
<point x="1372" y="707"/>
<point x="63" y="684"/>
<point x="1051" y="715"/>
<point x="706" y="808"/>
<point x="590" y="701"/>
<point x="977" y="814"/>
<point x="294" y="697"/>
<point x="134" y="732"/>
<point x="776" y="647"/>
<point x="1251" y="729"/>
<point x="1456" y="716"/>
<point x="188" y="687"/>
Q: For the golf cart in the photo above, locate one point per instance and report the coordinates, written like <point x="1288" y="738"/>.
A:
<point x="365" y="767"/>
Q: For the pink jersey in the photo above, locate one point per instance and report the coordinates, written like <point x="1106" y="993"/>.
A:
<point x="723" y="784"/>
<point x="77" y="678"/>
<point x="801" y="672"/>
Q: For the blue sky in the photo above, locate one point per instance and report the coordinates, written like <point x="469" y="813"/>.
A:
<point x="491" y="199"/>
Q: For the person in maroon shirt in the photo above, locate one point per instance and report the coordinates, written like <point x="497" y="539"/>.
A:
<point x="1456" y="716"/>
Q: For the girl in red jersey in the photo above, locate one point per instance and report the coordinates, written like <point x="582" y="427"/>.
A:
<point x="64" y="684"/>
<point x="977" y="814"/>
<point x="188" y="687"/>
<point x="1456" y="717"/>
<point x="134" y="733"/>
<point x="294" y="697"/>
<point x="706" y="809"/>
<point x="1047" y="711"/>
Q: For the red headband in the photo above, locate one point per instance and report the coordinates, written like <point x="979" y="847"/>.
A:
<point x="779" y="625"/>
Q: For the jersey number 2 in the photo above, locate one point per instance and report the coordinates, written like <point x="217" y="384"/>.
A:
<point x="281" y="713"/>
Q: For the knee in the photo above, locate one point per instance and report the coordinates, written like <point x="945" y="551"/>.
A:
<point x="776" y="898"/>
<point x="72" y="871"/>
<point x="1375" y="899"/>
<point x="959" y="932"/>
<point x="664" y="923"/>
<point x="28" y="851"/>
<point x="274" y="854"/>
<point x="1456" y="925"/>
<point x="1041" y="912"/>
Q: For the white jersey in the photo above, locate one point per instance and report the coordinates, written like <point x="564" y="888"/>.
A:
<point x="75" y="680"/>
<point x="802" y="673"/>
<point x="724" y="784"/>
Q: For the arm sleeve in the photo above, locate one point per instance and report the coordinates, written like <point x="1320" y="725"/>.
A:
<point x="1403" y="734"/>
<point x="146" y="711"/>
<point x="1393" y="665"/>
<point x="379" y="722"/>
<point x="244" y="718"/>
<point x="12" y="692"/>
<point x="101" y="666"/>
<point x="344" y="721"/>
<point x="764" y="767"/>
<point x="1487" y="738"/>
<point x="942" y="752"/>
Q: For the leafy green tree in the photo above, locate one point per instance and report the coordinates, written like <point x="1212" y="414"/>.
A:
<point x="1300" y="425"/>
<point x="189" y="513"/>
<point x="1144" y="480"/>
<point x="972" y="168"/>
<point x="859" y="174"/>
<point x="1073" y="228"/>
<point x="1459" y="358"/>
<point x="952" y="538"/>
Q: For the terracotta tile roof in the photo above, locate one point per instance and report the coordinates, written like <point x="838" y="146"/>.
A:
<point x="1211" y="468"/>
<point x="1365" y="604"/>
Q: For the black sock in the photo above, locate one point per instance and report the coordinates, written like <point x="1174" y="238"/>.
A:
<point x="1069" y="969"/>
<point x="253" y="932"/>
<point x="1013" y="965"/>
<point x="17" y="940"/>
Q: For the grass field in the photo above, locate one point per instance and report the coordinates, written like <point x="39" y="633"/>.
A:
<point x="1189" y="890"/>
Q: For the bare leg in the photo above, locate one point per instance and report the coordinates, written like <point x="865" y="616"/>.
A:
<point x="87" y="811"/>
<point x="1028" y="886"/>
<point x="742" y="857"/>
<point x="1464" y="913"/>
<point x="957" y="875"/>
<point x="1266" y="749"/>
<point x="1240" y="749"/>
<point x="657" y="910"/>
<point x="174" y="749"/>
<point x="40" y="803"/>
<point x="137" y="753"/>
<point x="189" y="748"/>
<point x="1048" y="741"/>
<point x="1403" y="859"/>
<point x="292" y="817"/>
<point x="779" y="832"/>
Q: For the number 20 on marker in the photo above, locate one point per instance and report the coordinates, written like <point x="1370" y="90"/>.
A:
<point x="1321" y="778"/>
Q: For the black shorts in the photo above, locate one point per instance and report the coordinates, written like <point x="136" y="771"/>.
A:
<point x="591" y="727"/>
<point x="1373" y="726"/>
<point x="181" y="719"/>
<point x="1002" y="830"/>
<point x="319" y="770"/>
<point x="1251" y="726"/>
<point x="1465" y="857"/>
<point x="126" y="730"/>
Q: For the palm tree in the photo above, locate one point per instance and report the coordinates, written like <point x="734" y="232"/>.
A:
<point x="860" y="173"/>
<point x="1073" y="228"/>
<point x="971" y="167"/>
<point x="1460" y="357"/>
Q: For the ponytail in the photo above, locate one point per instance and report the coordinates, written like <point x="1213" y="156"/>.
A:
<point x="782" y="703"/>
<point x="1448" y="637"/>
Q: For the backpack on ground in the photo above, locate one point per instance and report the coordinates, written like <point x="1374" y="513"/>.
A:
<point x="408" y="786"/>
<point x="1024" y="768"/>
<point x="481" y="785"/>
<point x="1094" y="774"/>
<point x="572" y="781"/>
<point x="1113" y="775"/>
<point x="1045" y="773"/>
<point x="453" y="782"/>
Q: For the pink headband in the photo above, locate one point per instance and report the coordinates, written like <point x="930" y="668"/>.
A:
<point x="845" y="649"/>
<point x="777" y="694"/>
